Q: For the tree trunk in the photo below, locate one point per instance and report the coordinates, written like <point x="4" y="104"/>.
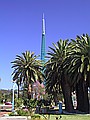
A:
<point x="67" y="96"/>
<point x="29" y="91"/>
<point x="82" y="96"/>
<point x="55" y="99"/>
<point x="86" y="100"/>
<point x="18" y="91"/>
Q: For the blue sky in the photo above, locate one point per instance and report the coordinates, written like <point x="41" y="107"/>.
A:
<point x="21" y="27"/>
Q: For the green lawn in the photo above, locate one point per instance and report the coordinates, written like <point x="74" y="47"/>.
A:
<point x="67" y="117"/>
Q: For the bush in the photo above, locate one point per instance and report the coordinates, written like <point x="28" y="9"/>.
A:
<point x="22" y="112"/>
<point x="26" y="113"/>
<point x="18" y="102"/>
<point x="13" y="114"/>
<point x="32" y="103"/>
<point x="37" y="117"/>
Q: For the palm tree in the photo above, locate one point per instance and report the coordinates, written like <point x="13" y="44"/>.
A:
<point x="55" y="74"/>
<point x="79" y="69"/>
<point x="27" y="69"/>
<point x="52" y="83"/>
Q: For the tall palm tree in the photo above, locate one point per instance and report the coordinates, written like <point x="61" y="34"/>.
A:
<point x="79" y="69"/>
<point x="27" y="68"/>
<point x="55" y="74"/>
<point x="52" y="83"/>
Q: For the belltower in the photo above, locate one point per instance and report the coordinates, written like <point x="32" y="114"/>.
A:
<point x="43" y="40"/>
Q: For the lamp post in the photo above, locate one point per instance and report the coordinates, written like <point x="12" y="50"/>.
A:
<point x="14" y="83"/>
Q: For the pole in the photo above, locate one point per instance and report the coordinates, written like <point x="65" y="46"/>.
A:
<point x="13" y="98"/>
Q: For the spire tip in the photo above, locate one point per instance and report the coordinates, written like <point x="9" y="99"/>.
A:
<point x="43" y="15"/>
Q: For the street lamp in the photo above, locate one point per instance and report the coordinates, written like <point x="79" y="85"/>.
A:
<point x="14" y="84"/>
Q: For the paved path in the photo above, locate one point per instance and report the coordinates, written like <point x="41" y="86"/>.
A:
<point x="3" y="117"/>
<point x="14" y="118"/>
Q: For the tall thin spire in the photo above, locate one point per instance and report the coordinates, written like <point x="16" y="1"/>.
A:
<point x="43" y="40"/>
<point x="43" y="25"/>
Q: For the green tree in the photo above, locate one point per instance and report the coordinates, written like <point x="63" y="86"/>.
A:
<point x="27" y="69"/>
<point x="79" y="69"/>
<point x="56" y="77"/>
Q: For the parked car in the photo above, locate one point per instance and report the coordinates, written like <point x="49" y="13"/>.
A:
<point x="8" y="103"/>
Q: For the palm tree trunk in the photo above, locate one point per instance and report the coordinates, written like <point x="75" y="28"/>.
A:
<point x="67" y="96"/>
<point x="86" y="100"/>
<point x="55" y="99"/>
<point x="82" y="96"/>
<point x="29" y="91"/>
<point x="18" y="91"/>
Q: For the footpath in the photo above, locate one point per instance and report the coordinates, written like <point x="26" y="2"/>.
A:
<point x="3" y="116"/>
<point x="14" y="118"/>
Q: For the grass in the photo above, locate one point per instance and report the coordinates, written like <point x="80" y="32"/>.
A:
<point x="67" y="117"/>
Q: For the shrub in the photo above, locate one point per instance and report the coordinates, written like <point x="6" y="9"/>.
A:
<point x="37" y="117"/>
<point x="18" y="102"/>
<point x="23" y="112"/>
